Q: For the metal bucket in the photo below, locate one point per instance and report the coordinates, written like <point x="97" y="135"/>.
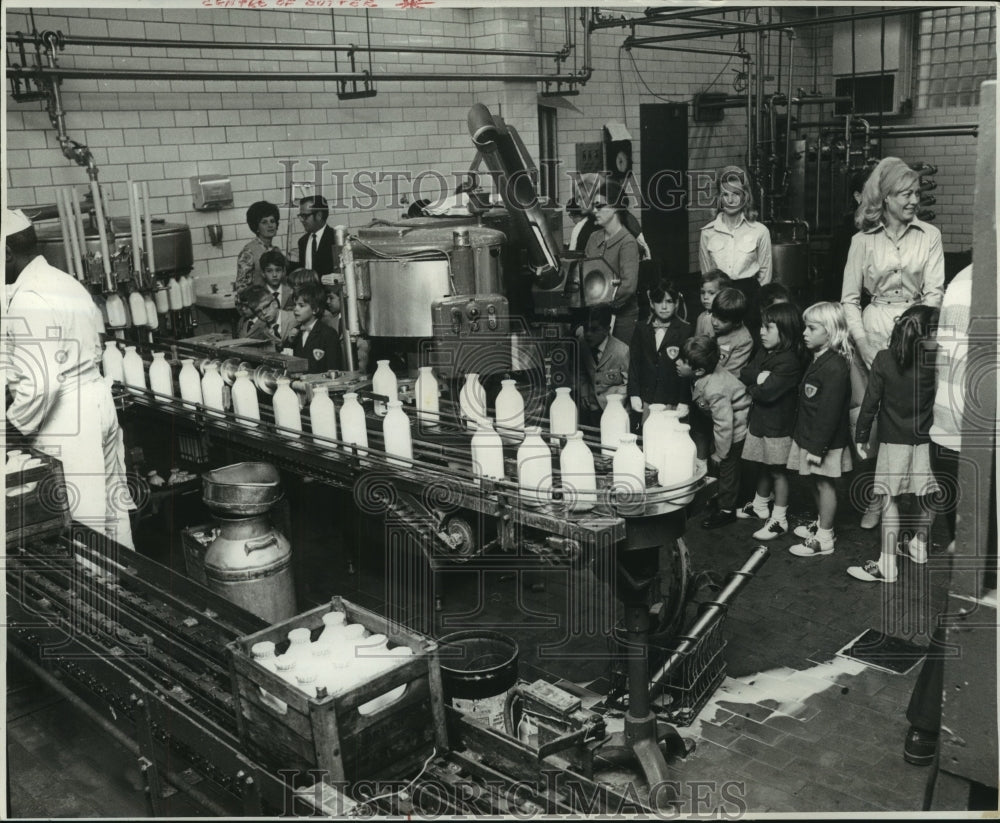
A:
<point x="250" y="564"/>
<point x="478" y="668"/>
<point x="246" y="489"/>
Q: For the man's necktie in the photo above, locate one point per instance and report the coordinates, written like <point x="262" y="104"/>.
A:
<point x="315" y="249"/>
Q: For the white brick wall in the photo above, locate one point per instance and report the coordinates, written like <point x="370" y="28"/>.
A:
<point x="165" y="131"/>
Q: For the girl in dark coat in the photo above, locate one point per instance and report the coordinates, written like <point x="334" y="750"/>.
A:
<point x="772" y="378"/>
<point x="901" y="393"/>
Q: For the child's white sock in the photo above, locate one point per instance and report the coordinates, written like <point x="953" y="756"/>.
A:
<point x="887" y="564"/>
<point x="760" y="505"/>
<point x="780" y="513"/>
<point x="824" y="536"/>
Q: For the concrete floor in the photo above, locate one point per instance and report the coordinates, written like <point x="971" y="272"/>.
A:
<point x="793" y="727"/>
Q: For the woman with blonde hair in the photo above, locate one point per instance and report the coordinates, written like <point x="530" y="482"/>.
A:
<point x="735" y="243"/>
<point x="898" y="260"/>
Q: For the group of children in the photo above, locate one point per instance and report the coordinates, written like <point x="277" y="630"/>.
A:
<point x="291" y="311"/>
<point x="780" y="401"/>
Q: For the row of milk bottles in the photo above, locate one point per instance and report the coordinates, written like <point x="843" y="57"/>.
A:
<point x="143" y="309"/>
<point x="210" y="390"/>
<point x="667" y="444"/>
<point x="343" y="656"/>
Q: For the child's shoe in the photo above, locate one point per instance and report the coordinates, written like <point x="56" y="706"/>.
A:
<point x="807" y="531"/>
<point x="718" y="519"/>
<point x="812" y="547"/>
<point x="917" y="550"/>
<point x="771" y="529"/>
<point x="871" y="572"/>
<point x="872" y="515"/>
<point x="748" y="511"/>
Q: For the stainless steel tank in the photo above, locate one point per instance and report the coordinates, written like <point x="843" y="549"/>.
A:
<point x="790" y="264"/>
<point x="172" y="248"/>
<point x="404" y="268"/>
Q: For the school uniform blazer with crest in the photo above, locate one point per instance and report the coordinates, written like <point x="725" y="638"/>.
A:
<point x="824" y="399"/>
<point x="324" y="261"/>
<point x="604" y="376"/>
<point x="652" y="371"/>
<point x="775" y="400"/>
<point x="321" y="349"/>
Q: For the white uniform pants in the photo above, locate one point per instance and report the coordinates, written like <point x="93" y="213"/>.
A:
<point x="82" y="431"/>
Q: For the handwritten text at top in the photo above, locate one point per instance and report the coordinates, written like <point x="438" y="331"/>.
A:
<point x="325" y="4"/>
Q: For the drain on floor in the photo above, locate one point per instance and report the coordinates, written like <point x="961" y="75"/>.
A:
<point x="882" y="651"/>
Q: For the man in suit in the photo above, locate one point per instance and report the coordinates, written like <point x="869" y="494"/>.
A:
<point x="318" y="251"/>
<point x="605" y="365"/>
<point x="316" y="246"/>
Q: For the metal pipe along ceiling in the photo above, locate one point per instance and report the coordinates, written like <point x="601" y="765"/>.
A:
<point x="181" y="74"/>
<point x="719" y="31"/>
<point x="53" y="40"/>
<point x="125" y="42"/>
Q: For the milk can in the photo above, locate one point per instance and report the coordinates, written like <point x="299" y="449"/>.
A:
<point x="250" y="564"/>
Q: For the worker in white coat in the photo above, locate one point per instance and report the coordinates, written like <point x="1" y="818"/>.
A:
<point x="57" y="396"/>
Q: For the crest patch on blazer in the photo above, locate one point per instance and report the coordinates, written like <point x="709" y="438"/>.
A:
<point x="318" y="354"/>
<point x="810" y="390"/>
<point x="672" y="352"/>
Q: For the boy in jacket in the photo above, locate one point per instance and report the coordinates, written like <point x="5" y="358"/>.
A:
<point x="724" y="398"/>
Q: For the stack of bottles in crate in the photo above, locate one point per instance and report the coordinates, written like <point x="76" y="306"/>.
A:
<point x="343" y="656"/>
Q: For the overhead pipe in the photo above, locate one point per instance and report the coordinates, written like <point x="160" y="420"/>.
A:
<point x="693" y="50"/>
<point x="71" y="149"/>
<point x="179" y="74"/>
<point x="944" y="132"/>
<point x="653" y="17"/>
<point x="821" y="100"/>
<point x="962" y="129"/>
<point x="125" y="42"/>
<point x="794" y="24"/>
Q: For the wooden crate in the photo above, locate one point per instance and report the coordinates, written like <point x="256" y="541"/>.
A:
<point x="43" y="510"/>
<point x="330" y="733"/>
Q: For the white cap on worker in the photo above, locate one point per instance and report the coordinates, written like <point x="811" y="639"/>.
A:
<point x="14" y="221"/>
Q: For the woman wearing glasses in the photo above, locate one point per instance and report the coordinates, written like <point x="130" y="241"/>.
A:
<point x="615" y="245"/>
<point x="263" y="219"/>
